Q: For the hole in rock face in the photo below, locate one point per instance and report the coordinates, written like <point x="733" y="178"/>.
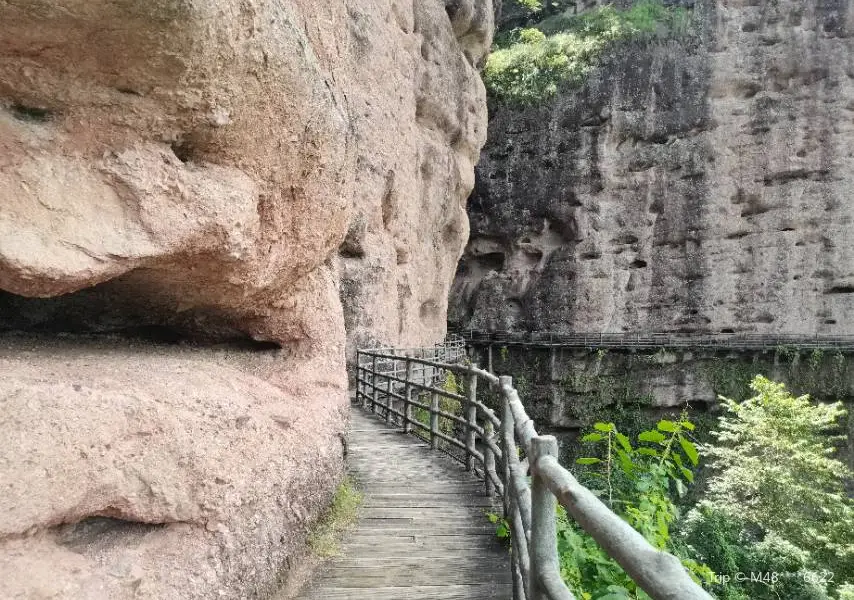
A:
<point x="94" y="534"/>
<point x="491" y="261"/>
<point x="129" y="91"/>
<point x="429" y="310"/>
<point x="350" y="249"/>
<point x="31" y="113"/>
<point x="122" y="311"/>
<point x="183" y="150"/>
<point x="841" y="289"/>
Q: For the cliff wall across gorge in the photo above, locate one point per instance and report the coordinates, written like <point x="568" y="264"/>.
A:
<point x="695" y="182"/>
<point x="267" y="181"/>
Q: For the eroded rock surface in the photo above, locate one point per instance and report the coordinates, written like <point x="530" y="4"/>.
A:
<point x="416" y="152"/>
<point x="695" y="185"/>
<point x="133" y="471"/>
<point x="220" y="171"/>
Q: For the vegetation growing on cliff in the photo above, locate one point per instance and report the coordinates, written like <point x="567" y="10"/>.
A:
<point x="528" y="65"/>
<point x="448" y="405"/>
<point x="532" y="5"/>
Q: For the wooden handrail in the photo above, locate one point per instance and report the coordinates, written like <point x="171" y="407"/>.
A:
<point x="385" y="384"/>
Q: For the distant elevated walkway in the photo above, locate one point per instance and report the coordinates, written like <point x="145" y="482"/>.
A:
<point x="653" y="340"/>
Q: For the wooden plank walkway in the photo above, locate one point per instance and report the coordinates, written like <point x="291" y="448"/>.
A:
<point x="422" y="533"/>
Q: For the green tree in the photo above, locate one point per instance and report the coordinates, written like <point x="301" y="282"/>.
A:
<point x="774" y="469"/>
<point x="529" y="64"/>
<point x="532" y="5"/>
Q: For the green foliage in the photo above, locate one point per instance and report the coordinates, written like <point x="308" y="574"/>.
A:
<point x="534" y="62"/>
<point x="341" y="514"/>
<point x="604" y="390"/>
<point x="820" y="373"/>
<point x="448" y="405"/>
<point x="730" y="377"/>
<point x="532" y="5"/>
<point x="659" y="463"/>
<point x="776" y="501"/>
<point x="729" y="546"/>
<point x="774" y="467"/>
<point x="644" y="18"/>
<point x="815" y="359"/>
<point x="638" y="481"/>
<point x="450" y="384"/>
<point x="524" y="386"/>
<point x="790" y="353"/>
<point x="502" y="526"/>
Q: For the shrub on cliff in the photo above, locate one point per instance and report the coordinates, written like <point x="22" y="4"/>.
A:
<point x="529" y="64"/>
<point x="639" y="480"/>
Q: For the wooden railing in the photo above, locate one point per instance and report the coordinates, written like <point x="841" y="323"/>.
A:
<point x="504" y="449"/>
<point x="653" y="340"/>
<point x="396" y="386"/>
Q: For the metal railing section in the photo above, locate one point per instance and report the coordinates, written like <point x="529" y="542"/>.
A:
<point x="649" y="340"/>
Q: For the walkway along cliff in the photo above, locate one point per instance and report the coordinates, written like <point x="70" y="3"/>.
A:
<point x="505" y="447"/>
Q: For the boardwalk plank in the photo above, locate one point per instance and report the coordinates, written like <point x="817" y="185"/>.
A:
<point x="422" y="533"/>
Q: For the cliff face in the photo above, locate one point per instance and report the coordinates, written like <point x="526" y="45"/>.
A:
<point x="697" y="184"/>
<point x="213" y="158"/>
<point x="417" y="145"/>
<point x="219" y="172"/>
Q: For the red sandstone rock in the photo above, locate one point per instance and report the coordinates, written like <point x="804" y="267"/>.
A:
<point x="198" y="165"/>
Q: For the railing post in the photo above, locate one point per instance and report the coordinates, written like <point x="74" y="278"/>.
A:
<point x="543" y="549"/>
<point x="507" y="427"/>
<point x="434" y="420"/>
<point x="359" y="387"/>
<point x="511" y="514"/>
<point x="471" y="419"/>
<point x="375" y="395"/>
<point x="407" y="398"/>
<point x="388" y="395"/>
<point x="488" y="459"/>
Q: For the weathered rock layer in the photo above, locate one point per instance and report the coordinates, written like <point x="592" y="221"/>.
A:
<point x="698" y="184"/>
<point x="213" y="171"/>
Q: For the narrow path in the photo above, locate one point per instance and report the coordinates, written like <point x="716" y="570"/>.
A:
<point x="422" y="533"/>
